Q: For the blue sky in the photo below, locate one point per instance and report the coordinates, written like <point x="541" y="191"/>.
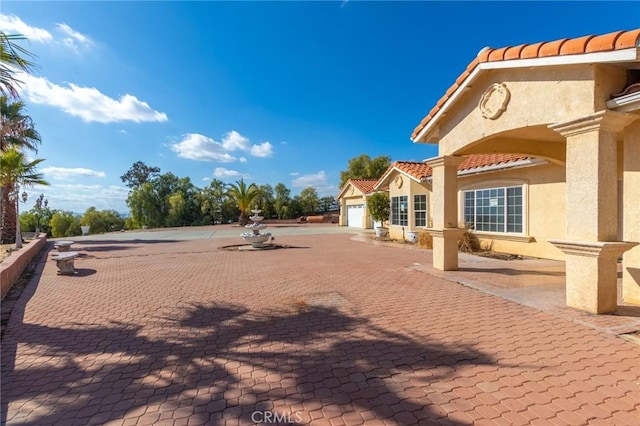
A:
<point x="269" y="91"/>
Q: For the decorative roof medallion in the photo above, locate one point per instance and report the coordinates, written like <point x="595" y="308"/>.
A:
<point x="494" y="101"/>
<point x="398" y="181"/>
<point x="351" y="191"/>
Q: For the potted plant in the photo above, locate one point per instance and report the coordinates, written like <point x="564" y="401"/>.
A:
<point x="379" y="207"/>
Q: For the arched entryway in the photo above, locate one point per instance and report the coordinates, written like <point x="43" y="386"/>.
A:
<point x="557" y="106"/>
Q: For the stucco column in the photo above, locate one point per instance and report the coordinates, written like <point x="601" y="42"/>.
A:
<point x="631" y="213"/>
<point x="591" y="207"/>
<point x="445" y="231"/>
<point x="342" y="220"/>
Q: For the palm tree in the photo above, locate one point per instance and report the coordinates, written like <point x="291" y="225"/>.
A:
<point x="243" y="196"/>
<point x="17" y="132"/>
<point x="16" y="128"/>
<point x="12" y="59"/>
<point x="15" y="171"/>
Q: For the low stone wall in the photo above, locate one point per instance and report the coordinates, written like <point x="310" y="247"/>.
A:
<point x="12" y="266"/>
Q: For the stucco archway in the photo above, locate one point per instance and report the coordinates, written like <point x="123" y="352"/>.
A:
<point x="553" y="101"/>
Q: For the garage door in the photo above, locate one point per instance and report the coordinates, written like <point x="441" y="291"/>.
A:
<point x="355" y="215"/>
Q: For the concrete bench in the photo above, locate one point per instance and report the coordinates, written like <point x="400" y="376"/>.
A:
<point x="63" y="246"/>
<point x="64" y="261"/>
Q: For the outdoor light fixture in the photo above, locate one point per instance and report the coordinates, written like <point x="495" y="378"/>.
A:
<point x="39" y="202"/>
<point x="24" y="200"/>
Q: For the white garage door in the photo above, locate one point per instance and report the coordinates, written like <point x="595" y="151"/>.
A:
<point x="355" y="215"/>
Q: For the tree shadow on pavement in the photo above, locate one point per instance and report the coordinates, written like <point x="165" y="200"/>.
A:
<point x="214" y="364"/>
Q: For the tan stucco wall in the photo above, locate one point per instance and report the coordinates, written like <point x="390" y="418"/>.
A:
<point x="544" y="208"/>
<point x="560" y="113"/>
<point x="353" y="201"/>
<point x="352" y="196"/>
<point x="410" y="188"/>
<point x="538" y="97"/>
<point x="631" y="211"/>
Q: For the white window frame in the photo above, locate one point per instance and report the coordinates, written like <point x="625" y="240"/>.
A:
<point x="425" y="211"/>
<point x="495" y="184"/>
<point x="406" y="211"/>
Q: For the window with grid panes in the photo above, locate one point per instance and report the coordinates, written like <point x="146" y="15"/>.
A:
<point x="420" y="210"/>
<point x="494" y="209"/>
<point x="399" y="207"/>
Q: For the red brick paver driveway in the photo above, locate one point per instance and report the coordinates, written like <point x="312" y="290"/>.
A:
<point x="331" y="332"/>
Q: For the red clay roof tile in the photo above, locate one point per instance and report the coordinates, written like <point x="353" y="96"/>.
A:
<point x="483" y="160"/>
<point x="473" y="65"/>
<point x="483" y="55"/>
<point x="450" y="91"/>
<point x="603" y="43"/>
<point x="413" y="168"/>
<point x="628" y="39"/>
<point x="497" y="54"/>
<point x="421" y="171"/>
<point x="575" y="45"/>
<point x="552" y="48"/>
<point x="364" y="185"/>
<point x="462" y="77"/>
<point x="513" y="52"/>
<point x="587" y="44"/>
<point x="531" y="51"/>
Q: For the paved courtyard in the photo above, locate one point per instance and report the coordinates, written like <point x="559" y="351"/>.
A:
<point x="166" y="328"/>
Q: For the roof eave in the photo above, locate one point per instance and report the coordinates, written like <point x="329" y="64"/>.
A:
<point x="383" y="178"/>
<point x="430" y="126"/>
<point x="614" y="56"/>
<point x="344" y="188"/>
<point x="503" y="166"/>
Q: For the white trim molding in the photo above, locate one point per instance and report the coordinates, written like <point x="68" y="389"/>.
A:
<point x="626" y="103"/>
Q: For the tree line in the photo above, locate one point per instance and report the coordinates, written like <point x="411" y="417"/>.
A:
<point x="166" y="200"/>
<point x="159" y="200"/>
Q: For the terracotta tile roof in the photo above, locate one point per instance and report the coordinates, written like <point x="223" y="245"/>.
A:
<point x="484" y="160"/>
<point x="588" y="44"/>
<point x="364" y="185"/>
<point x="421" y="171"/>
<point x="413" y="168"/>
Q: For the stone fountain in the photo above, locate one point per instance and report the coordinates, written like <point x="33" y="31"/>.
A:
<point x="255" y="237"/>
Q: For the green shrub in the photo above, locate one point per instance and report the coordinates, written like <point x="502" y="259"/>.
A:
<point x="379" y="207"/>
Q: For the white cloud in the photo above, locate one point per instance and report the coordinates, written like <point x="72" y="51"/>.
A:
<point x="69" y="37"/>
<point x="63" y="173"/>
<point x="233" y="141"/>
<point x="88" y="103"/>
<point x="79" y="197"/>
<point x="205" y="179"/>
<point x="294" y="174"/>
<point x="11" y="24"/>
<point x="265" y="149"/>
<point x="194" y="146"/>
<point x="201" y="148"/>
<point x="221" y="172"/>
<point x="317" y="180"/>
<point x="73" y="39"/>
